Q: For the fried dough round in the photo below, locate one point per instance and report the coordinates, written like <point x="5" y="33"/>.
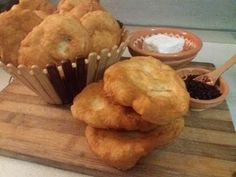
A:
<point x="153" y="89"/>
<point x="15" y="25"/>
<point x="92" y="107"/>
<point x="68" y="5"/>
<point x="83" y="8"/>
<point x="122" y="150"/>
<point x="58" y="37"/>
<point x="103" y="29"/>
<point x="41" y="14"/>
<point x="42" y="5"/>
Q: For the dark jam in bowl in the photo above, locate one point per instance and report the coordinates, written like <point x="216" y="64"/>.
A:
<point x="200" y="90"/>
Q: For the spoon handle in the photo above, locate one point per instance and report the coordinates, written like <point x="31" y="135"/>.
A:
<point x="219" y="71"/>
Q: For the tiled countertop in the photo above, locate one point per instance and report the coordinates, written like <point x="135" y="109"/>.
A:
<point x="218" y="46"/>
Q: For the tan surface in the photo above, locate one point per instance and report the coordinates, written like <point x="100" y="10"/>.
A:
<point x="32" y="130"/>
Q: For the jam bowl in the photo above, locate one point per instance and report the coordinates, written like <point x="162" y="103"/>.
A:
<point x="197" y="104"/>
<point x="192" y="45"/>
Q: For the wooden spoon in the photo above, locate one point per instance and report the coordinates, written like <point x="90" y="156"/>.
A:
<point x="211" y="77"/>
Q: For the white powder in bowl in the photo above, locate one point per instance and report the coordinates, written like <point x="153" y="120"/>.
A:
<point x="163" y="44"/>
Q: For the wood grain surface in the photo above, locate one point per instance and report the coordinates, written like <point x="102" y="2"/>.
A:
<point x="34" y="131"/>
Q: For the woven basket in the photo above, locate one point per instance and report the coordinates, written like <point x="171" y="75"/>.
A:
<point x="60" y="84"/>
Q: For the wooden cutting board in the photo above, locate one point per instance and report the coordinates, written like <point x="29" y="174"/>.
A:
<point x="35" y="131"/>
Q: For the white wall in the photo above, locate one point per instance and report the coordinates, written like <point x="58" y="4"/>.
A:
<point x="203" y="14"/>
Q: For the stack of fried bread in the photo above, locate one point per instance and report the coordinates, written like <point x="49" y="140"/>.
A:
<point x="138" y="107"/>
<point x="34" y="32"/>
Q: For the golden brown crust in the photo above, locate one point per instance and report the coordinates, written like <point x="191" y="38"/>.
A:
<point x="42" y="5"/>
<point x="154" y="90"/>
<point x="58" y="37"/>
<point x="93" y="108"/>
<point x="104" y="30"/>
<point x="15" y="25"/>
<point x="122" y="150"/>
<point x="41" y="14"/>
<point x="83" y="8"/>
<point x="68" y="5"/>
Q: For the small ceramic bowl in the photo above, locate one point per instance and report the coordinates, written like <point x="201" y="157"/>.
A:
<point x="192" y="45"/>
<point x="200" y="105"/>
